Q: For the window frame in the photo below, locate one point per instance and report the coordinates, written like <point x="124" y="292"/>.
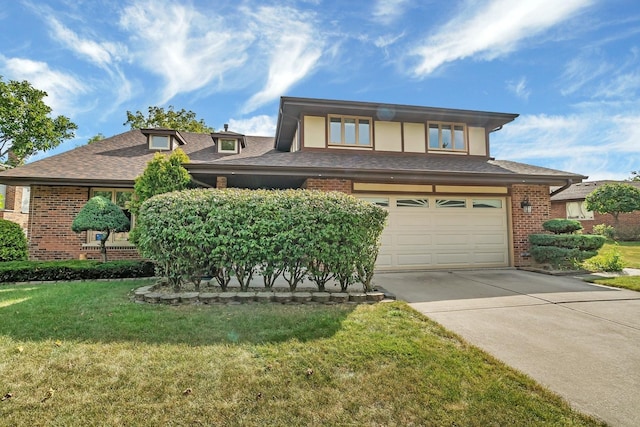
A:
<point x="115" y="239"/>
<point x="342" y="142"/>
<point x="164" y="147"/>
<point x="450" y="127"/>
<point x="582" y="206"/>
<point x="223" y="151"/>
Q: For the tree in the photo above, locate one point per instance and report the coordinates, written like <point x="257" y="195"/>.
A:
<point x="164" y="173"/>
<point x="157" y="117"/>
<point x="25" y="124"/>
<point x="96" y="138"/>
<point x="101" y="214"/>
<point x="614" y="199"/>
<point x="635" y="176"/>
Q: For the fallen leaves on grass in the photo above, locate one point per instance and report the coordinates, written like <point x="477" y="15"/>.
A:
<point x="6" y="397"/>
<point x="187" y="392"/>
<point x="48" y="396"/>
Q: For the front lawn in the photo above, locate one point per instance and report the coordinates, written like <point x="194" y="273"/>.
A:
<point x="630" y="252"/>
<point x="83" y="354"/>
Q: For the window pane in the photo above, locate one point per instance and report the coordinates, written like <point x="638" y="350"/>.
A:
<point x="451" y="203"/>
<point x="412" y="203"/>
<point x="458" y="137"/>
<point x="228" y="145"/>
<point x="3" y="193"/>
<point x="380" y="201"/>
<point x="446" y="137"/>
<point x="349" y="131"/>
<point x="434" y="135"/>
<point x="123" y="198"/>
<point x="104" y="193"/>
<point x="487" y="203"/>
<point x="335" y="129"/>
<point x="160" y="142"/>
<point x="363" y="132"/>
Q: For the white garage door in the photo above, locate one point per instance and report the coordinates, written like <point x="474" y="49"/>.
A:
<point x="443" y="232"/>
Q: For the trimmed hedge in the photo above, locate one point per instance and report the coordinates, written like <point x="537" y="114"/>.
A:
<point x="583" y="242"/>
<point x="28" y="271"/>
<point x="13" y="242"/>
<point x="296" y="234"/>
<point x="560" y="257"/>
<point x="562" y="226"/>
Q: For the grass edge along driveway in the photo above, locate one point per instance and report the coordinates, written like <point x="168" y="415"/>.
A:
<point x="83" y="354"/>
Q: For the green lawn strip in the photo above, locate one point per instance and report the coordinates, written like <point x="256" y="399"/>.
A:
<point x="625" y="282"/>
<point x="114" y="362"/>
<point x="630" y="252"/>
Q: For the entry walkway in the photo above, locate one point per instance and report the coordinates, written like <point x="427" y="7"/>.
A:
<point x="578" y="339"/>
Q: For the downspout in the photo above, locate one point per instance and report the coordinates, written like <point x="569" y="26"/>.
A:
<point x="561" y="189"/>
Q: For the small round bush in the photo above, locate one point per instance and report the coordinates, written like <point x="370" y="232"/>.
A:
<point x="13" y="243"/>
<point x="562" y="226"/>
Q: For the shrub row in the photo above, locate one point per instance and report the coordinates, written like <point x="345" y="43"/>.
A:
<point x="583" y="242"/>
<point x="26" y="271"/>
<point x="295" y="234"/>
<point x="560" y="257"/>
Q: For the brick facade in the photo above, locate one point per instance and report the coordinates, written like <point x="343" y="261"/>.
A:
<point x="523" y="223"/>
<point x="341" y="185"/>
<point x="221" y="182"/>
<point x="626" y="220"/>
<point x="51" y="212"/>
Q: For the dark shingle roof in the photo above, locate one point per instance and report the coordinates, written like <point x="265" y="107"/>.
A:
<point x="582" y="189"/>
<point x="116" y="161"/>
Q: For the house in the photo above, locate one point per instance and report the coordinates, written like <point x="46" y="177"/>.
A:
<point x="451" y="205"/>
<point x="14" y="203"/>
<point x="570" y="204"/>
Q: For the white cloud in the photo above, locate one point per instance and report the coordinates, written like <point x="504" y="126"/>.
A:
<point x="262" y="125"/>
<point x="388" y="11"/>
<point x="100" y="53"/>
<point x="519" y="88"/>
<point x="186" y="48"/>
<point x="593" y="142"/>
<point x="294" y="47"/>
<point x="490" y="29"/>
<point x="63" y="90"/>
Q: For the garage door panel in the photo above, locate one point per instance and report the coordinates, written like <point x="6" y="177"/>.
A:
<point x="443" y="237"/>
<point x="414" y="260"/>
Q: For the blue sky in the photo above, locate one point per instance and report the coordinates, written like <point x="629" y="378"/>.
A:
<point x="570" y="68"/>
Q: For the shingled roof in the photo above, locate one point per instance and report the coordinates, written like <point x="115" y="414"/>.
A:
<point x="116" y="161"/>
<point x="581" y="190"/>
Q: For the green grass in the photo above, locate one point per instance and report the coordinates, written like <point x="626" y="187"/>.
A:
<point x="630" y="252"/>
<point x="111" y="362"/>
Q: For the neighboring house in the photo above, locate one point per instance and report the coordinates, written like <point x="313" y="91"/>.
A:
<point x="14" y="203"/>
<point x="570" y="204"/>
<point x="451" y="204"/>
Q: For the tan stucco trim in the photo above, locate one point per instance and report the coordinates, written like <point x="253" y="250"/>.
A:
<point x="471" y="189"/>
<point x="399" y="188"/>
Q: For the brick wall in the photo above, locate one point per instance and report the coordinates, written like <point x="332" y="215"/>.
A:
<point x="342" y="185"/>
<point x="626" y="220"/>
<point x="525" y="224"/>
<point x="221" y="182"/>
<point x="51" y="212"/>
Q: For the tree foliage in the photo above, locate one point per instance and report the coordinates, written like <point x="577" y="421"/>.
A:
<point x="95" y="138"/>
<point x="157" y="117"/>
<point x="614" y="199"/>
<point x="164" y="173"/>
<point x="25" y="123"/>
<point x="101" y="214"/>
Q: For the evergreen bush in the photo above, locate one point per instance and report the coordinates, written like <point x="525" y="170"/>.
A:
<point x="562" y="226"/>
<point x="13" y="242"/>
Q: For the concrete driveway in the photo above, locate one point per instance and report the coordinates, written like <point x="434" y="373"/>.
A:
<point x="580" y="340"/>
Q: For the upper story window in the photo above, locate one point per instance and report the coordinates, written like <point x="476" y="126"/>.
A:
<point x="350" y="131"/>
<point x="228" y="145"/>
<point x="159" y="142"/>
<point x="447" y="136"/>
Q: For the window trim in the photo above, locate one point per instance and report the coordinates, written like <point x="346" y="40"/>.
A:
<point x="342" y="131"/>
<point x="235" y="146"/>
<point x="151" y="137"/>
<point x="112" y="242"/>
<point x="450" y="126"/>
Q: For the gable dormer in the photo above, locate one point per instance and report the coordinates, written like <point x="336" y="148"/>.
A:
<point x="227" y="142"/>
<point x="163" y="139"/>
<point x="318" y="124"/>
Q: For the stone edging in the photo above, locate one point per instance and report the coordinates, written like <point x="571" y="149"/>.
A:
<point x="146" y="294"/>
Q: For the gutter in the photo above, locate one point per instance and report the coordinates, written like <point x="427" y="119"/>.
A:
<point x="561" y="189"/>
